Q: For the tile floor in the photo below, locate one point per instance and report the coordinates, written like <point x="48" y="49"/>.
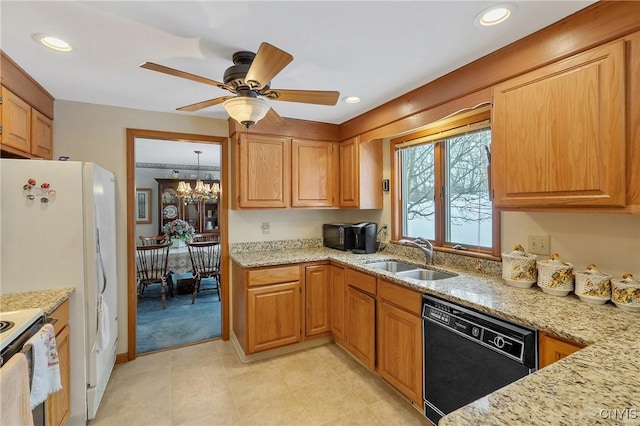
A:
<point x="206" y="384"/>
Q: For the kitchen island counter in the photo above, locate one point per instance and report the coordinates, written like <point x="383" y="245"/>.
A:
<point x="586" y="387"/>
<point x="47" y="300"/>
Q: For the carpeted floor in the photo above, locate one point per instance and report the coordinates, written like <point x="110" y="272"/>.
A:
<point x="181" y="323"/>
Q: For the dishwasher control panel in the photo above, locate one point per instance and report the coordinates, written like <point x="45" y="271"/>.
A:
<point x="499" y="335"/>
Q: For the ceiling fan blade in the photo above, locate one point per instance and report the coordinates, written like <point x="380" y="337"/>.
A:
<point x="268" y="62"/>
<point x="177" y="73"/>
<point x="204" y="104"/>
<point x="320" y="97"/>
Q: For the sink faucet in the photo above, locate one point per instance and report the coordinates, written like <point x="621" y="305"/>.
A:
<point x="424" y="245"/>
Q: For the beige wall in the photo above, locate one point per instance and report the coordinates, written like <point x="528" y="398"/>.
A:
<point x="610" y="241"/>
<point x="97" y="133"/>
<point x="87" y="132"/>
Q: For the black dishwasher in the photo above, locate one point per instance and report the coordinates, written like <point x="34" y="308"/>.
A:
<point x="468" y="354"/>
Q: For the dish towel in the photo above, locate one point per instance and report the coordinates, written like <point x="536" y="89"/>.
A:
<point x="102" y="334"/>
<point x="46" y="370"/>
<point x="14" y="392"/>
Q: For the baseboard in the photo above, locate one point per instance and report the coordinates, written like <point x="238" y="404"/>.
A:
<point x="278" y="351"/>
<point x="121" y="358"/>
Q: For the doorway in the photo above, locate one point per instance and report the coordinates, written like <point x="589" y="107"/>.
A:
<point x="144" y="179"/>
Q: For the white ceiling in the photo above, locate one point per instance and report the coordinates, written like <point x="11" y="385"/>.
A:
<point x="377" y="50"/>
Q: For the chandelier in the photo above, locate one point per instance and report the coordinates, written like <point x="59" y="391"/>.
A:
<point x="202" y="191"/>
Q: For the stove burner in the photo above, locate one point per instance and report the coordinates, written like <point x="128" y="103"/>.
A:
<point x="5" y="325"/>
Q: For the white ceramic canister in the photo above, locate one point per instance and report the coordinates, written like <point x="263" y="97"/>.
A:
<point x="625" y="293"/>
<point x="593" y="286"/>
<point x="555" y="277"/>
<point x="519" y="268"/>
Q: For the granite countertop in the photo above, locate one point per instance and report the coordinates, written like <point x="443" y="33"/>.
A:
<point x="583" y="388"/>
<point x="47" y="300"/>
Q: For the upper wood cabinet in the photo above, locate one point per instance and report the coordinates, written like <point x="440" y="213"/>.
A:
<point x="361" y="174"/>
<point x="558" y="133"/>
<point x="41" y="135"/>
<point x="16" y="122"/>
<point x="262" y="171"/>
<point x="26" y="114"/>
<point x="281" y="172"/>
<point x="314" y="173"/>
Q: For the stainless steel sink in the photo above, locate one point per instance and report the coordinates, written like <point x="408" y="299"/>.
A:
<point x="425" y="275"/>
<point x="392" y="266"/>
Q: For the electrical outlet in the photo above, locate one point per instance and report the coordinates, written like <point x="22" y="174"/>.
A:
<point x="266" y="227"/>
<point x="538" y="244"/>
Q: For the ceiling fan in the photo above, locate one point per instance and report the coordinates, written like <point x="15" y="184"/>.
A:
<point x="249" y="80"/>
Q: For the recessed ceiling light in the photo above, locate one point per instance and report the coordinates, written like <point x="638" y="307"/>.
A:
<point x="53" y="43"/>
<point x="351" y="99"/>
<point x="495" y="14"/>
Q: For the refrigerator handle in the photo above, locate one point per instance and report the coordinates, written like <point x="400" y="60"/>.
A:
<point x="104" y="276"/>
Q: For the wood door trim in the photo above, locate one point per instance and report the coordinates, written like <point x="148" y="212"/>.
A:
<point x="223" y="141"/>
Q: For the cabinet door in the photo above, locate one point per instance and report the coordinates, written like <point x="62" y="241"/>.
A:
<point x="553" y="349"/>
<point x="263" y="171"/>
<point x="349" y="173"/>
<point x="316" y="284"/>
<point x="337" y="293"/>
<point x="400" y="350"/>
<point x="16" y="122"/>
<point x="360" y="326"/>
<point x="58" y="407"/>
<point x="313" y="173"/>
<point x="273" y="314"/>
<point x="558" y="133"/>
<point x="41" y="135"/>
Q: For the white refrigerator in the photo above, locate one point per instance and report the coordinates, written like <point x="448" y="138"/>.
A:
<point x="60" y="239"/>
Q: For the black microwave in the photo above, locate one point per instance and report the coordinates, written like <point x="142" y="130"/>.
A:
<point x="338" y="236"/>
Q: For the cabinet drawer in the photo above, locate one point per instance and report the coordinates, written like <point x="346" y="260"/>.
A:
<point x="61" y="313"/>
<point x="362" y="281"/>
<point x="400" y="296"/>
<point x="273" y="275"/>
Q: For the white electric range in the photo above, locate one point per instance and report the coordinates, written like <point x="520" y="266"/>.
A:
<point x="18" y="326"/>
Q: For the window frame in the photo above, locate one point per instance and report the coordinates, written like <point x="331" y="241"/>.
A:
<point x="435" y="133"/>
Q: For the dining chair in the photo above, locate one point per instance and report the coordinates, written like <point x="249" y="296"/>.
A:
<point x="205" y="260"/>
<point x="151" y="268"/>
<point x="153" y="239"/>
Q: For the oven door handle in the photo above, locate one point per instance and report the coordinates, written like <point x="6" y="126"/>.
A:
<point x="50" y="320"/>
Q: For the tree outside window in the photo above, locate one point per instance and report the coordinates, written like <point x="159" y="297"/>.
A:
<point x="448" y="197"/>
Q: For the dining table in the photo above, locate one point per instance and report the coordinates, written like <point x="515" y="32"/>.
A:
<point x="179" y="261"/>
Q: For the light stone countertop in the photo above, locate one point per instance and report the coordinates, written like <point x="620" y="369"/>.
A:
<point x="592" y="386"/>
<point x="47" y="300"/>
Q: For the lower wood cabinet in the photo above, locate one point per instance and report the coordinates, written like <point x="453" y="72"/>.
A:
<point x="266" y="307"/>
<point x="58" y="404"/>
<point x="361" y="325"/>
<point x="337" y="303"/>
<point x="316" y="295"/>
<point x="553" y="348"/>
<point x="399" y="331"/>
<point x="273" y="316"/>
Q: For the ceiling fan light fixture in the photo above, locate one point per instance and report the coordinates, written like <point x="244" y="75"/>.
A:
<point x="246" y="110"/>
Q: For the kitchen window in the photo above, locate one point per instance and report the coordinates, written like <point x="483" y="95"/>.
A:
<point x="444" y="185"/>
